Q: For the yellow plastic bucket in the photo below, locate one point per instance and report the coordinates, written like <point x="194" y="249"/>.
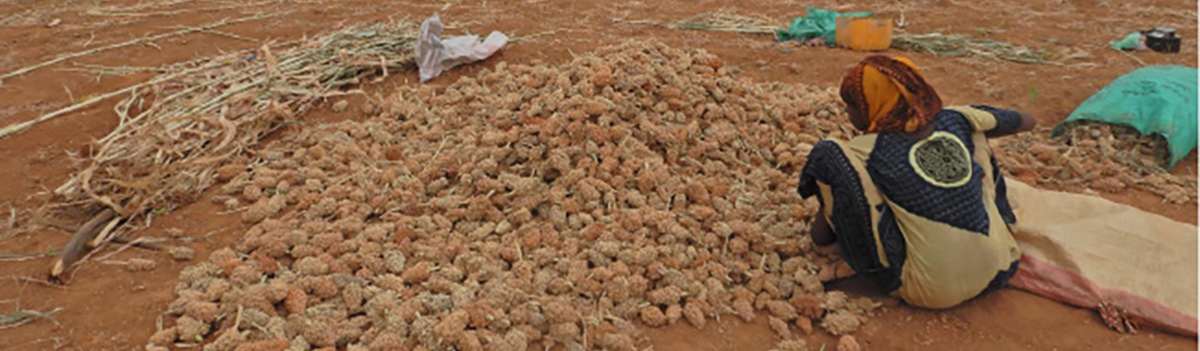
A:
<point x="864" y="33"/>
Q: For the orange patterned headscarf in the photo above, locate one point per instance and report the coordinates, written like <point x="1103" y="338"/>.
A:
<point x="892" y="93"/>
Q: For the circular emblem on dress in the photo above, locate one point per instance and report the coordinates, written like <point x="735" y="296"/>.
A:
<point x="942" y="159"/>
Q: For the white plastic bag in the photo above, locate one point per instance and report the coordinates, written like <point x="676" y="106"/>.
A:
<point x="436" y="55"/>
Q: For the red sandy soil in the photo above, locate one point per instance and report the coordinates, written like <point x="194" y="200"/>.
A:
<point x="104" y="307"/>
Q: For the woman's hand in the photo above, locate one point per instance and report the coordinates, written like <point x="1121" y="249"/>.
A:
<point x="821" y="232"/>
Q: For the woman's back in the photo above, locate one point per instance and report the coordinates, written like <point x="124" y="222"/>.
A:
<point x="941" y="200"/>
<point x="938" y="177"/>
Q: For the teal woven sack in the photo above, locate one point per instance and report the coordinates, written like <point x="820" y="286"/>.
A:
<point x="1154" y="100"/>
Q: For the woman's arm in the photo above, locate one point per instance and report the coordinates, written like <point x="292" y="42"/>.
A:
<point x="820" y="231"/>
<point x="1027" y="124"/>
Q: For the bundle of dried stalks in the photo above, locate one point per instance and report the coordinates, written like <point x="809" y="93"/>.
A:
<point x="176" y="130"/>
<point x="960" y="45"/>
<point x="726" y="21"/>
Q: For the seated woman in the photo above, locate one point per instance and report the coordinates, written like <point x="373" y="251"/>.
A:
<point x="917" y="202"/>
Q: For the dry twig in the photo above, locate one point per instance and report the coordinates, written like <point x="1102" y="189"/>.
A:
<point x="137" y="41"/>
<point x="22" y="317"/>
<point x="135" y="14"/>
<point x="78" y="243"/>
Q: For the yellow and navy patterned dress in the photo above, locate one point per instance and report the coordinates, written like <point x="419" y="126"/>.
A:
<point x="928" y="219"/>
